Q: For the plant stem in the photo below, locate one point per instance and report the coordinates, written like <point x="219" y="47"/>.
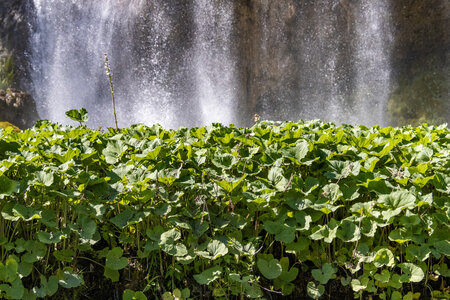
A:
<point x="108" y="73"/>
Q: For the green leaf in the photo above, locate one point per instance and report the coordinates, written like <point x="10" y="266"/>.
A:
<point x="303" y="220"/>
<point x="121" y="220"/>
<point x="217" y="249"/>
<point x="79" y="115"/>
<point x="49" y="237"/>
<point x="397" y="200"/>
<point x="25" y="269"/>
<point x="229" y="187"/>
<point x="48" y="287"/>
<point x="45" y="178"/>
<point x="26" y="213"/>
<point x="299" y="246"/>
<point x="209" y="275"/>
<point x="114" y="259"/>
<point x="419" y="253"/>
<point x="325" y="232"/>
<point x="384" y="276"/>
<point x="314" y="291"/>
<point x="424" y="154"/>
<point x="410" y="220"/>
<point x="298" y="152"/>
<point x="28" y="295"/>
<point x="35" y="251"/>
<point x="411" y="273"/>
<point x="396" y="295"/>
<point x="132" y="295"/>
<point x="269" y="266"/>
<point x="114" y="151"/>
<point x="384" y="257"/>
<point x="177" y="293"/>
<point x="111" y="274"/>
<point x="175" y="249"/>
<point x="283" y="232"/>
<point x="224" y="160"/>
<point x="395" y="281"/>
<point x="68" y="279"/>
<point x="65" y="255"/>
<point x="443" y="247"/>
<point x="324" y="274"/>
<point x="400" y="235"/>
<point x="9" y="271"/>
<point x="170" y="236"/>
<point x="298" y="202"/>
<point x="276" y="178"/>
<point x="8" y="186"/>
<point x="167" y="296"/>
<point x="13" y="291"/>
<point x="185" y="293"/>
<point x="287" y="275"/>
<point x="88" y="228"/>
<point x="359" y="284"/>
<point x="330" y="193"/>
<point x="348" y="231"/>
<point x="287" y="289"/>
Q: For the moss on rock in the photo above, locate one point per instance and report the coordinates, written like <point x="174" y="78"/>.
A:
<point x="4" y="125"/>
<point x="422" y="99"/>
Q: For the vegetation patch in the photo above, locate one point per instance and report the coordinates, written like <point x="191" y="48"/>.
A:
<point x="304" y="209"/>
<point x="7" y="74"/>
<point x="4" y="125"/>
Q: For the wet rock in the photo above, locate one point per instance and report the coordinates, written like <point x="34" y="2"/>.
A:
<point x="14" y="37"/>
<point x="18" y="108"/>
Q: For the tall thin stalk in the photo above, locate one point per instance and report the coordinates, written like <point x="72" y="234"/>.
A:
<point x="108" y="74"/>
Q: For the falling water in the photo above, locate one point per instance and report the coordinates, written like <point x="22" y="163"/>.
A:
<point x="148" y="94"/>
<point x="213" y="62"/>
<point x="372" y="62"/>
<point x="180" y="63"/>
<point x="68" y="45"/>
<point x="325" y="89"/>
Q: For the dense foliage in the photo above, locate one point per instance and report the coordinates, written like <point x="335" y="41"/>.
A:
<point x="300" y="209"/>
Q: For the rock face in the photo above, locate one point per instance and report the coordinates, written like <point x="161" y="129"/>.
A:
<point x="279" y="65"/>
<point x="14" y="36"/>
<point x="17" y="108"/>
<point x="291" y="53"/>
<point x="421" y="33"/>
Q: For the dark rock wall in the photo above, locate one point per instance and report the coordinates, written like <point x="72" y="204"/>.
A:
<point x="422" y="32"/>
<point x="14" y="33"/>
<point x="17" y="108"/>
<point x="420" y="60"/>
<point x="280" y="76"/>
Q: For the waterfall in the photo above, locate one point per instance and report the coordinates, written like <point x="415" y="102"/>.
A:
<point x="324" y="96"/>
<point x="214" y="65"/>
<point x="148" y="94"/>
<point x="68" y="43"/>
<point x="372" y="61"/>
<point x="180" y="63"/>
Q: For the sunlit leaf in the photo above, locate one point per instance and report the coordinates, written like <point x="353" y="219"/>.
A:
<point x="209" y="275"/>
<point x="314" y="291"/>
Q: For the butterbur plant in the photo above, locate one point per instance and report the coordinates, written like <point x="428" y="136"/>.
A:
<point x="273" y="211"/>
<point x="78" y="115"/>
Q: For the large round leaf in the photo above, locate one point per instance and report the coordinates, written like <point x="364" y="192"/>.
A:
<point x="269" y="267"/>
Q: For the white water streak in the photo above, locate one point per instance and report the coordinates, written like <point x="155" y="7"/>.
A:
<point x="373" y="62"/>
<point x="214" y="64"/>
